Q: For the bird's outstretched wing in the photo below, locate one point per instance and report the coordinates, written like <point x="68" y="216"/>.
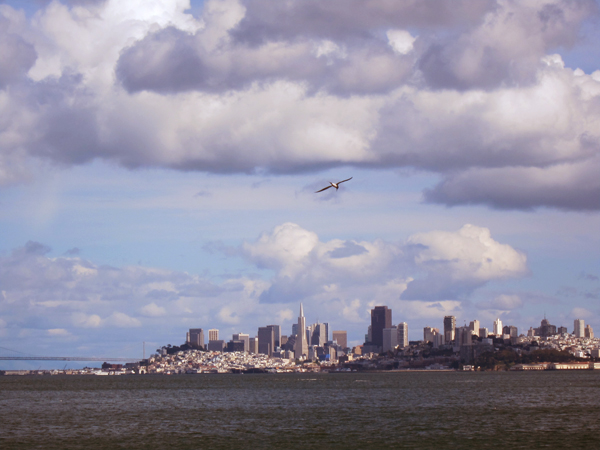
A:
<point x="321" y="190"/>
<point x="348" y="179"/>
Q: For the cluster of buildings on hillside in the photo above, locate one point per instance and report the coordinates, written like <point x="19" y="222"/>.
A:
<point x="383" y="337"/>
<point x="386" y="346"/>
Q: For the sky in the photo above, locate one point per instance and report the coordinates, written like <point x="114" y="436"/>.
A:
<point x="159" y="161"/>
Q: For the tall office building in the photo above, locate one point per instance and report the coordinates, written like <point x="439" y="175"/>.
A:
<point x="402" y="334"/>
<point x="390" y="339"/>
<point x="319" y="335"/>
<point x="341" y="337"/>
<point x="276" y="335"/>
<point x="301" y="346"/>
<point x="498" y="327"/>
<point x="266" y="340"/>
<point x="579" y="328"/>
<point x="589" y="332"/>
<point x="253" y="344"/>
<point x="463" y="336"/>
<point x="474" y="326"/>
<point x="213" y="334"/>
<point x="326" y="332"/>
<point x="196" y="337"/>
<point x="449" y="329"/>
<point x="381" y="317"/>
<point x="245" y="338"/>
<point x="483" y="332"/>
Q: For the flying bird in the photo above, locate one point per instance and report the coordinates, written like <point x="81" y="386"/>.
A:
<point x="335" y="185"/>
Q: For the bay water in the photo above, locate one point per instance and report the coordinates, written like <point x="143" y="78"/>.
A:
<point x="429" y="410"/>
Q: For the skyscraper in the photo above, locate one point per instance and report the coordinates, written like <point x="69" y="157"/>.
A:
<point x="319" y="335"/>
<point x="449" y="327"/>
<point x="213" y="334"/>
<point x="474" y="326"/>
<point x="196" y="337"/>
<point x="277" y="335"/>
<point x="498" y="327"/>
<point x="589" y="332"/>
<point x="390" y="339"/>
<point x="579" y="328"/>
<point x="301" y="346"/>
<point x="402" y="334"/>
<point x="341" y="337"/>
<point x="381" y="317"/>
<point x="266" y="340"/>
<point x="244" y="338"/>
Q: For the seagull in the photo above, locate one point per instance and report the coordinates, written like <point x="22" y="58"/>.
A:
<point x="335" y="185"/>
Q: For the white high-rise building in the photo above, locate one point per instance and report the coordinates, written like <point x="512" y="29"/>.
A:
<point x="213" y="334"/>
<point x="498" y="327"/>
<point x="579" y="328"/>
<point x="474" y="326"/>
<point x="301" y="346"/>
<point x="402" y="334"/>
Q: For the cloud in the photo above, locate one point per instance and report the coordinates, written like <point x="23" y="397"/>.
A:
<point x="153" y="310"/>
<point x="122" y="320"/>
<point x="581" y="313"/>
<point x="471" y="91"/>
<point x="503" y="302"/>
<point x="456" y="263"/>
<point x="438" y="265"/>
<point x="58" y="332"/>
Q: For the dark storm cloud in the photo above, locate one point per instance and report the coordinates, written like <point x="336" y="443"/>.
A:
<point x="172" y="60"/>
<point x="341" y="19"/>
<point x="524" y="188"/>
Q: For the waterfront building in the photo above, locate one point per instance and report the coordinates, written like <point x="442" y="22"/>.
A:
<point x="589" y="332"/>
<point x="498" y="327"/>
<point x="402" y="334"/>
<point x="579" y="328"/>
<point x="245" y="338"/>
<point x="266" y="340"/>
<point x="474" y="326"/>
<point x="390" y="339"/>
<point x="196" y="337"/>
<point x="301" y="347"/>
<point x="449" y="329"/>
<point x="341" y="337"/>
<point x="213" y="334"/>
<point x="381" y="317"/>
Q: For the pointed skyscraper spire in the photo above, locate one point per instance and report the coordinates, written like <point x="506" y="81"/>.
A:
<point x="301" y="311"/>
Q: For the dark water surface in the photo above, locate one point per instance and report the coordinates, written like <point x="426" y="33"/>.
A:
<point x="437" y="410"/>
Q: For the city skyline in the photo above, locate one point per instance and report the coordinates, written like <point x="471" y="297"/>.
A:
<point x="144" y="194"/>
